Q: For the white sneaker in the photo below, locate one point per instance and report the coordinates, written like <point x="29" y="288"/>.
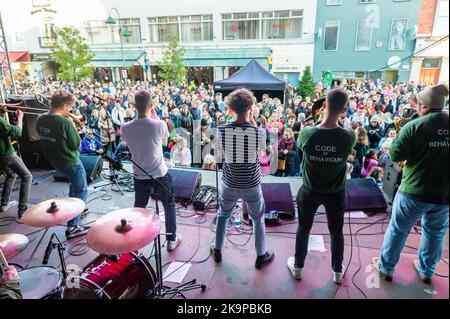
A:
<point x="8" y="206"/>
<point x="295" y="272"/>
<point x="172" y="244"/>
<point x="339" y="276"/>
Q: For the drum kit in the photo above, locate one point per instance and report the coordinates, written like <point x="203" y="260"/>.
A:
<point x="119" y="272"/>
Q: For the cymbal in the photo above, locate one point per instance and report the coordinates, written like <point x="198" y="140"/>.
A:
<point x="53" y="212"/>
<point x="123" y="231"/>
<point x="12" y="244"/>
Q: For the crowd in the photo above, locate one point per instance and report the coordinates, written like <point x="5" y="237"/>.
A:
<point x="192" y="113"/>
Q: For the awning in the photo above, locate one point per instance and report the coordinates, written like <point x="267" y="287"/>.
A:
<point x="16" y="56"/>
<point x="115" y="59"/>
<point x="224" y="56"/>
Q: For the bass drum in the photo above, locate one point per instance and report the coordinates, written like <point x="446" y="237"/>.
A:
<point x="128" y="276"/>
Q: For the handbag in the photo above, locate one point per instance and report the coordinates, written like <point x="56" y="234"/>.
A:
<point x="281" y="164"/>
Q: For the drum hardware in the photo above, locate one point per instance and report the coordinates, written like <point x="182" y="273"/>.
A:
<point x="114" y="167"/>
<point x="61" y="248"/>
<point x="161" y="290"/>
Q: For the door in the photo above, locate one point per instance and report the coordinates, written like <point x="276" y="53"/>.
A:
<point x="429" y="76"/>
<point x="390" y="76"/>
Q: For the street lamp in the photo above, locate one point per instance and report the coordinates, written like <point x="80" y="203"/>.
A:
<point x="123" y="32"/>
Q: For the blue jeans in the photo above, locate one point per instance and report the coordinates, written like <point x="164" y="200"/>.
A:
<point x="405" y="212"/>
<point x="255" y="203"/>
<point x="144" y="188"/>
<point x="76" y="174"/>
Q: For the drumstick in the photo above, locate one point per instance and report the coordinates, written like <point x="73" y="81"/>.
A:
<point x="3" y="259"/>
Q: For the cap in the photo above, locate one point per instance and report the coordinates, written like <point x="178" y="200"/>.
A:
<point x="434" y="96"/>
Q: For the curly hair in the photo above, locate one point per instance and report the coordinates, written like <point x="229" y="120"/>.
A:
<point x="240" y="100"/>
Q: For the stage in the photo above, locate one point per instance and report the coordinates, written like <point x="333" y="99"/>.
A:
<point x="236" y="277"/>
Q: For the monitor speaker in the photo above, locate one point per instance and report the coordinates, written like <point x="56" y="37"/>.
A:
<point x="365" y="195"/>
<point x="391" y="180"/>
<point x="186" y="183"/>
<point x="92" y="164"/>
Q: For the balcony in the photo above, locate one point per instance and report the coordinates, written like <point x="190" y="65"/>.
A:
<point x="46" y="42"/>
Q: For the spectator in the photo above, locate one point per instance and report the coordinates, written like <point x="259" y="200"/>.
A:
<point x="369" y="162"/>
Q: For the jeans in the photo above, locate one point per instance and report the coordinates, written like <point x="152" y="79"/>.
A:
<point x="76" y="174"/>
<point x="14" y="167"/>
<point x="145" y="188"/>
<point x="308" y="202"/>
<point x="255" y="203"/>
<point x="405" y="212"/>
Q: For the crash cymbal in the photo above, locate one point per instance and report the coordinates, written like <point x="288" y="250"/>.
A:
<point x="123" y="231"/>
<point x="53" y="212"/>
<point x="12" y="244"/>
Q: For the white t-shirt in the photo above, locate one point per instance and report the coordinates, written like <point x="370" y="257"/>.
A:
<point x="144" y="138"/>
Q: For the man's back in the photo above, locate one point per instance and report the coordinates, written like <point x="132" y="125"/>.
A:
<point x="144" y="138"/>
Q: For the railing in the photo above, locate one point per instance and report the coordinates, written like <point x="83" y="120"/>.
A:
<point x="46" y="42"/>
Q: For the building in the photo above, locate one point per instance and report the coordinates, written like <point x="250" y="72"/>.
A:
<point x="430" y="61"/>
<point x="358" y="39"/>
<point x="219" y="37"/>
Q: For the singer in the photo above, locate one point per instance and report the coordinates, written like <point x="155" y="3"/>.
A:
<point x="61" y="144"/>
<point x="144" y="136"/>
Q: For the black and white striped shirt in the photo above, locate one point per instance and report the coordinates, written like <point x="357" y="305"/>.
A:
<point x="240" y="145"/>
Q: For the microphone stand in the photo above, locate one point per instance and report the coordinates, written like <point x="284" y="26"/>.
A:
<point x="161" y="290"/>
<point x="61" y="249"/>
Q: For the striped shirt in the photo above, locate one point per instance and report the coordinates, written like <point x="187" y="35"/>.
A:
<point x="240" y="145"/>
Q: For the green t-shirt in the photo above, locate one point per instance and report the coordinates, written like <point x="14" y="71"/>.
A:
<point x="423" y="143"/>
<point x="6" y="132"/>
<point x="59" y="139"/>
<point x="325" y="153"/>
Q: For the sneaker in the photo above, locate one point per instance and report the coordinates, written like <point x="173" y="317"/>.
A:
<point x="77" y="231"/>
<point x="4" y="208"/>
<point x="21" y="211"/>
<point x="425" y="280"/>
<point x="172" y="244"/>
<point x="263" y="260"/>
<point x="338" y="276"/>
<point x="295" y="272"/>
<point x="376" y="266"/>
<point x="216" y="254"/>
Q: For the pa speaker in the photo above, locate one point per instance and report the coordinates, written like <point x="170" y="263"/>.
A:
<point x="277" y="197"/>
<point x="92" y="164"/>
<point x="391" y="180"/>
<point x="364" y="194"/>
<point x="186" y="183"/>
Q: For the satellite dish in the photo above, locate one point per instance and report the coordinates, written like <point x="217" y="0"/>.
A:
<point x="394" y="62"/>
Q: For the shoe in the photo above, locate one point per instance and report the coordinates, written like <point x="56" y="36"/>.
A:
<point x="338" y="276"/>
<point x="263" y="260"/>
<point x="425" y="280"/>
<point x="172" y="244"/>
<point x="295" y="272"/>
<point x="376" y="266"/>
<point x="4" y="208"/>
<point x="216" y="254"/>
<point x="22" y="211"/>
<point x="77" y="231"/>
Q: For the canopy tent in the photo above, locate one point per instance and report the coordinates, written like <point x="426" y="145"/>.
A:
<point x="253" y="77"/>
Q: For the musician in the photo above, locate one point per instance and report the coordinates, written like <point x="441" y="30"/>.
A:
<point x="61" y="144"/>
<point x="13" y="165"/>
<point x="145" y="136"/>
<point x="241" y="142"/>
<point x="9" y="284"/>
<point x="325" y="152"/>
<point x="423" y="193"/>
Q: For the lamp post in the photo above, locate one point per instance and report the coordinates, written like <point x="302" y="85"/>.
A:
<point x="123" y="32"/>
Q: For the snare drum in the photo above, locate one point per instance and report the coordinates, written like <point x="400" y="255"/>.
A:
<point x="41" y="283"/>
<point x="128" y="276"/>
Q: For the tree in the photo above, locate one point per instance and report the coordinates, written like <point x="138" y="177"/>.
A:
<point x="307" y="86"/>
<point x="171" y="66"/>
<point x="72" y="55"/>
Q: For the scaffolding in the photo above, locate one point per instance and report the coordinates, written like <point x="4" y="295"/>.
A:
<point x="7" y="86"/>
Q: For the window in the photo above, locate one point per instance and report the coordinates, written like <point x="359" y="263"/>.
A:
<point x="366" y="1"/>
<point x="133" y="26"/>
<point x="363" y="35"/>
<point x="41" y="3"/>
<point x="442" y="17"/>
<point x="431" y="63"/>
<point x="334" y="2"/>
<point x="397" y="37"/>
<point x="285" y="24"/>
<point x="331" y="38"/>
<point x="282" y="24"/>
<point x="98" y="32"/>
<point x="190" y="28"/>
<point x="19" y="38"/>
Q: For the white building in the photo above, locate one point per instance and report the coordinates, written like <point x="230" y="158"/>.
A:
<point x="219" y="36"/>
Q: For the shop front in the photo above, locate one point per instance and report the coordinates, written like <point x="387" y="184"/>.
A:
<point x="115" y="65"/>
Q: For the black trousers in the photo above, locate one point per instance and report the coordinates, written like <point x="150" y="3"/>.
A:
<point x="308" y="202"/>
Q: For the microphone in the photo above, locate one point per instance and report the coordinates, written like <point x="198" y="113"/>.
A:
<point x="48" y="251"/>
<point x="115" y="164"/>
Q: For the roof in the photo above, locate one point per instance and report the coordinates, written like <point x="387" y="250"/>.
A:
<point x="116" y="58"/>
<point x="211" y="57"/>
<point x="16" y="56"/>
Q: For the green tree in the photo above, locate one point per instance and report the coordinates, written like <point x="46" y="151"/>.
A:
<point x="171" y="66"/>
<point x="307" y="86"/>
<point x="72" y="55"/>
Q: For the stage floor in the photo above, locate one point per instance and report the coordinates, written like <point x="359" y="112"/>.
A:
<point x="236" y="276"/>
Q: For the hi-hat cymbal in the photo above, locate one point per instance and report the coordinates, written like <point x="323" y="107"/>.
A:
<point x="123" y="231"/>
<point x="53" y="212"/>
<point x="12" y="244"/>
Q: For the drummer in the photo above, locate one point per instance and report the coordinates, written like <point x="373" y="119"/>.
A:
<point x="61" y="144"/>
<point x="9" y="284"/>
